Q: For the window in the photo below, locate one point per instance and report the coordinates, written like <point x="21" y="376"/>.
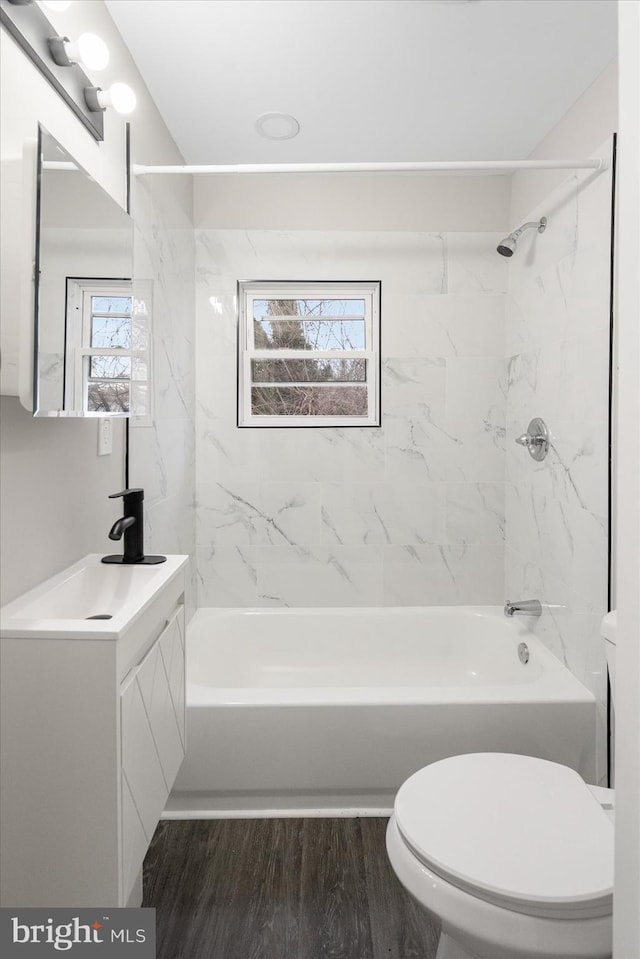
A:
<point x="106" y="368"/>
<point x="309" y="354"/>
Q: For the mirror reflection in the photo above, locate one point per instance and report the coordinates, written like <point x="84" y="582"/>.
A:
<point x="91" y="337"/>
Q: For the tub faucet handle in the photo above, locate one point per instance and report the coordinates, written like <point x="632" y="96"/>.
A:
<point x="528" y="607"/>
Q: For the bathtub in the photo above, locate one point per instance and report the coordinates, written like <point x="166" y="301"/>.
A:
<point x="327" y="711"/>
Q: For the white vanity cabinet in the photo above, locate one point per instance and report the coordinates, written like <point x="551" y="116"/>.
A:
<point x="93" y="735"/>
<point x="152" y="736"/>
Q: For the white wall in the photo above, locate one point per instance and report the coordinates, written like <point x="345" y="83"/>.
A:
<point x="588" y="124"/>
<point x="162" y="449"/>
<point x="558" y="318"/>
<point x="357" y="201"/>
<point x="54" y="487"/>
<point x="408" y="514"/>
<point x="557" y="344"/>
<point x="626" y="917"/>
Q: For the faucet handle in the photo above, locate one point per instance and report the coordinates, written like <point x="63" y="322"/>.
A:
<point x="536" y="439"/>
<point x="127" y="492"/>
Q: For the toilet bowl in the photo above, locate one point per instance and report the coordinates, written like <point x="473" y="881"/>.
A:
<point x="513" y="854"/>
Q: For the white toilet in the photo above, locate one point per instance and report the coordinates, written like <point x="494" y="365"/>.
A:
<point x="513" y="854"/>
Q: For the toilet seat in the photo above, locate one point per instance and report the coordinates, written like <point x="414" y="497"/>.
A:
<point x="518" y="832"/>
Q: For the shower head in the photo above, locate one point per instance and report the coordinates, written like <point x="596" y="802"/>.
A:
<point x="507" y="247"/>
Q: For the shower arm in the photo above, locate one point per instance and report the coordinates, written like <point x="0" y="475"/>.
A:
<point x="526" y="226"/>
<point x="539" y="225"/>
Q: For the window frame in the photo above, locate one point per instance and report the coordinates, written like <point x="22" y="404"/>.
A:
<point x="250" y="290"/>
<point x="78" y="349"/>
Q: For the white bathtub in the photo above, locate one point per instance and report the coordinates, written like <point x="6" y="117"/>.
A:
<point x="327" y="711"/>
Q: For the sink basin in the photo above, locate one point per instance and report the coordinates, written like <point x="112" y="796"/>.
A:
<point x="87" y="599"/>
<point x="91" y="591"/>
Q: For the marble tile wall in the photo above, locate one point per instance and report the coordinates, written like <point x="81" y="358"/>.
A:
<point x="412" y="513"/>
<point x="558" y="347"/>
<point x="162" y="445"/>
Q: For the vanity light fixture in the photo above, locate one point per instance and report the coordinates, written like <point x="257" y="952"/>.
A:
<point x="52" y="54"/>
<point x="119" y="96"/>
<point x="89" y="50"/>
<point x="28" y="25"/>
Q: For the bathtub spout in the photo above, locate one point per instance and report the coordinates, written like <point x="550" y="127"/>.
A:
<point x="528" y="607"/>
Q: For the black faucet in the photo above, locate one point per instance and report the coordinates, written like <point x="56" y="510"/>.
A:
<point x="132" y="525"/>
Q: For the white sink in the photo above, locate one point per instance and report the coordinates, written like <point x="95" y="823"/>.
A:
<point x="89" y="599"/>
<point x="90" y="592"/>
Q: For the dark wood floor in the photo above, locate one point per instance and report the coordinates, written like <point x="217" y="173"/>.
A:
<point x="280" y="889"/>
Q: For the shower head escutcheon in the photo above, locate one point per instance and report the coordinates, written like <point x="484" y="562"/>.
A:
<point x="507" y="247"/>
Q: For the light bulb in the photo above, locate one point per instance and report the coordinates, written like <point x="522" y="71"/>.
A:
<point x="94" y="52"/>
<point x="58" y="5"/>
<point x="122" y="98"/>
<point x="119" y="96"/>
<point x="88" y="50"/>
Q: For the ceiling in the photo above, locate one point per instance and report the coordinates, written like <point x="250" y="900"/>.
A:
<point x="367" y="80"/>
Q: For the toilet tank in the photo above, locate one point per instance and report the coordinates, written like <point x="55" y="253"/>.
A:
<point x="609" y="630"/>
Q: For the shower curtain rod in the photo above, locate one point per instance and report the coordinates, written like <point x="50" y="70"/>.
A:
<point x="418" y="167"/>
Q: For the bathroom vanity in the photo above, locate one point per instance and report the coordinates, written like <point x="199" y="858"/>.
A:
<point x="93" y="730"/>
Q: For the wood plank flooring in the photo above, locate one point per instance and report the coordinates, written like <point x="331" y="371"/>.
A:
<point x="280" y="889"/>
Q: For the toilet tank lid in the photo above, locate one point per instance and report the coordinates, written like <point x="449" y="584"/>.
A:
<point x="609" y="627"/>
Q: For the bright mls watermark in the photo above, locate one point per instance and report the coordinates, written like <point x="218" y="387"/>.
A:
<point x="79" y="933"/>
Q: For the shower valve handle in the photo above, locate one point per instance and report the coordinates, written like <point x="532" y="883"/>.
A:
<point x="536" y="439"/>
<point x="527" y="440"/>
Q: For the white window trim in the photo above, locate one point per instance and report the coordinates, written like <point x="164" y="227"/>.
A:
<point x="251" y="290"/>
<point x="142" y="313"/>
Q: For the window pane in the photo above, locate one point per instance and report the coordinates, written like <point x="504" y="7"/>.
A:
<point x="309" y="401"/>
<point x="303" y="334"/>
<point x="110" y="367"/>
<point x="111" y="304"/>
<point x="111" y="331"/>
<point x="108" y="397"/>
<point x="308" y="371"/>
<point x="303" y="308"/>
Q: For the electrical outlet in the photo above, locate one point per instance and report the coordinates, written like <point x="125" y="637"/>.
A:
<point x="105" y="437"/>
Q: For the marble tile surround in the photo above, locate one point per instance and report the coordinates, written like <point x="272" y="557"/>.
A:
<point x="162" y="446"/>
<point x="409" y="514"/>
<point x="558" y="368"/>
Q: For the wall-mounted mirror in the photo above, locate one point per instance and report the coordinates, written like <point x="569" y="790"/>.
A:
<point x="91" y="344"/>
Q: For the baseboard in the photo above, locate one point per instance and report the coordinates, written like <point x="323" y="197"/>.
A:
<point x="270" y="805"/>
